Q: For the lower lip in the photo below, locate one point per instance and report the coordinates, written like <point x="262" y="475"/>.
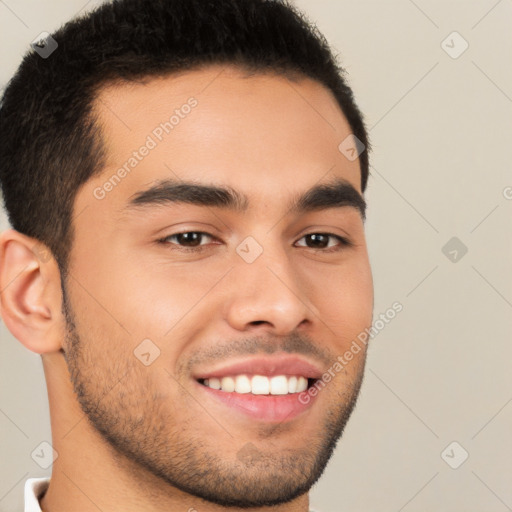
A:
<point x="269" y="408"/>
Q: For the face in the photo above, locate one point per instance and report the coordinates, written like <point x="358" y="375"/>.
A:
<point x="229" y="253"/>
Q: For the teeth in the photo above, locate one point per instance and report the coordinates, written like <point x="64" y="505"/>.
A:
<point x="279" y="385"/>
<point x="292" y="385"/>
<point x="259" y="384"/>
<point x="302" y="384"/>
<point x="242" y="384"/>
<point x="214" y="383"/>
<point x="227" y="384"/>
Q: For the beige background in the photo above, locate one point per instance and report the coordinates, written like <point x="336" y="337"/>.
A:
<point x="440" y="371"/>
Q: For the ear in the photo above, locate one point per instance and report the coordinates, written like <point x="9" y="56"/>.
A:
<point x="30" y="293"/>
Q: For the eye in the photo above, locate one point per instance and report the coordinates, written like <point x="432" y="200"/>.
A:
<point x="191" y="240"/>
<point x="323" y="241"/>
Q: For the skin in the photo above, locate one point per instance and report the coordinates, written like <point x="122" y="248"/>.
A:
<point x="136" y="437"/>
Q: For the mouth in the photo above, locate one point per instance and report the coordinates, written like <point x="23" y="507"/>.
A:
<point x="267" y="389"/>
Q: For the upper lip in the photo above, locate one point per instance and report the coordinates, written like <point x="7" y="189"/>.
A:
<point x="268" y="366"/>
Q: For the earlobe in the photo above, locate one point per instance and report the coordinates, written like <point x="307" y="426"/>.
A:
<point x="30" y="293"/>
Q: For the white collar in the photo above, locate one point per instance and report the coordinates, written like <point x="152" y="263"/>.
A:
<point x="34" y="489"/>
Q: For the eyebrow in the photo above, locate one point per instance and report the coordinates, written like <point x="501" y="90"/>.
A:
<point x="336" y="193"/>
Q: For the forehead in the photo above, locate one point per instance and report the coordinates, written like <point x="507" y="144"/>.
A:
<point x="262" y="134"/>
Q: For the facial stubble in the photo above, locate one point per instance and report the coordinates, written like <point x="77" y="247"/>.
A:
<point x="151" y="441"/>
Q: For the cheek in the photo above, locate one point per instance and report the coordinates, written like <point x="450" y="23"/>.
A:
<point x="343" y="298"/>
<point x="356" y="299"/>
<point x="160" y="299"/>
<point x="147" y="298"/>
<point x="110" y="362"/>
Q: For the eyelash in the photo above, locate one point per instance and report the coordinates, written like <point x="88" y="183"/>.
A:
<point x="343" y="242"/>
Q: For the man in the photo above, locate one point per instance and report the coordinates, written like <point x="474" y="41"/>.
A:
<point x="185" y="181"/>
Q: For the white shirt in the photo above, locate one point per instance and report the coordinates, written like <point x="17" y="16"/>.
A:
<point x="35" y="488"/>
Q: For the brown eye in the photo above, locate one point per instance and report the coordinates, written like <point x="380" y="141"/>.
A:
<point x="190" y="239"/>
<point x="317" y="240"/>
<point x="187" y="239"/>
<point x="324" y="241"/>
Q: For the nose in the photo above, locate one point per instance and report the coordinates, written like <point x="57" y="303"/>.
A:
<point x="266" y="295"/>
